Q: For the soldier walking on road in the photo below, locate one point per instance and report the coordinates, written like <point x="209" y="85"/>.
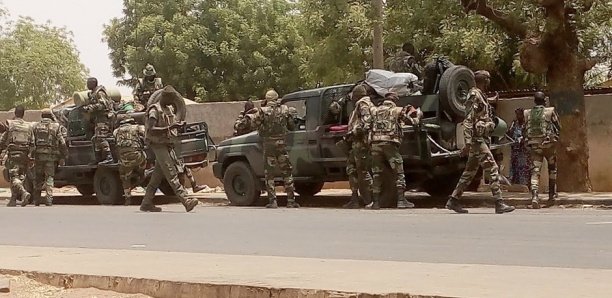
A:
<point x="16" y="141"/>
<point x="385" y="137"/>
<point x="147" y="85"/>
<point x="129" y="138"/>
<point x="359" y="162"/>
<point x="161" y="133"/>
<point x="542" y="130"/>
<point x="273" y="122"/>
<point x="101" y="108"/>
<point x="478" y="126"/>
<point x="48" y="148"/>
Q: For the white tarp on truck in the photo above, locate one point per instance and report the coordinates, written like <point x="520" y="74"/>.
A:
<point x="384" y="82"/>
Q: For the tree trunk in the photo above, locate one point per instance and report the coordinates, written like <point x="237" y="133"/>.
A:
<point x="377" y="35"/>
<point x="565" y="79"/>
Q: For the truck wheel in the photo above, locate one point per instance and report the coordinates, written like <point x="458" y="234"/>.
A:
<point x="441" y="186"/>
<point x="455" y="84"/>
<point x="241" y="186"/>
<point x="107" y="185"/>
<point x="86" y="189"/>
<point x="308" y="189"/>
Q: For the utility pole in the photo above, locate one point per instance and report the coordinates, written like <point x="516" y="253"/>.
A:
<point x="377" y="35"/>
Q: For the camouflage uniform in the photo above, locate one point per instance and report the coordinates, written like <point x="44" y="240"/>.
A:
<point x="48" y="147"/>
<point x="147" y="85"/>
<point x="129" y="138"/>
<point x="478" y="126"/>
<point x="385" y="138"/>
<point x="542" y="131"/>
<point x="161" y="134"/>
<point x="16" y="140"/>
<point x="101" y="109"/>
<point x="273" y="122"/>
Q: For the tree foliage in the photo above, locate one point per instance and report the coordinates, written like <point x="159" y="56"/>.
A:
<point x="40" y="65"/>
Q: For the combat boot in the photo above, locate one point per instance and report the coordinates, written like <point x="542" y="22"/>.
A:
<point x="453" y="204"/>
<point x="353" y="203"/>
<point x="402" y="203"/>
<point x="291" y="203"/>
<point x="128" y="200"/>
<point x="501" y="207"/>
<point x="272" y="204"/>
<point x="190" y="204"/>
<point x="49" y="201"/>
<point x="107" y="160"/>
<point x="552" y="191"/>
<point x="375" y="205"/>
<point x="198" y="188"/>
<point x="147" y="206"/>
<point x="25" y="198"/>
<point x="535" y="200"/>
<point x="12" y="202"/>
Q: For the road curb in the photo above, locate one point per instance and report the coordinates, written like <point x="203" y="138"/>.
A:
<point x="173" y="289"/>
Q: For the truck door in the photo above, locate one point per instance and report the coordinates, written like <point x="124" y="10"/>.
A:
<point x="302" y="143"/>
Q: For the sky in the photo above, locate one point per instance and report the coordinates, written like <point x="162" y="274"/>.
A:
<point x="85" y="19"/>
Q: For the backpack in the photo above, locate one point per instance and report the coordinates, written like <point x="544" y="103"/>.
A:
<point x="20" y="133"/>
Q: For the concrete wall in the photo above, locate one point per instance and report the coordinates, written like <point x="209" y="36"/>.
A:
<point x="221" y="116"/>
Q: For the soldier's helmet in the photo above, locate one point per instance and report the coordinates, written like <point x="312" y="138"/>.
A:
<point x="482" y="73"/>
<point x="149" y="71"/>
<point x="46" y="113"/>
<point x="128" y="120"/>
<point x="271" y="95"/>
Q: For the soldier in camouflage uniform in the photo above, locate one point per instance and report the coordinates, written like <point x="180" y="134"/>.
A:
<point x="241" y="128"/>
<point x="542" y="130"/>
<point x="478" y="126"/>
<point x="161" y="133"/>
<point x="101" y="109"/>
<point x="358" y="162"/>
<point x="385" y="138"/>
<point x="147" y="85"/>
<point x="48" y="148"/>
<point x="129" y="138"/>
<point x="273" y="122"/>
<point x="16" y="141"/>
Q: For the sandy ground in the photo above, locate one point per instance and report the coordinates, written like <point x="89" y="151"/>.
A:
<point x="23" y="287"/>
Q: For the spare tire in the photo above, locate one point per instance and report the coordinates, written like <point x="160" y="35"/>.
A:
<point x="455" y="84"/>
<point x="178" y="102"/>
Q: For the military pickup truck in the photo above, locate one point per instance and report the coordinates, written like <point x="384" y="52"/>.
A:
<point x="81" y="169"/>
<point x="432" y="160"/>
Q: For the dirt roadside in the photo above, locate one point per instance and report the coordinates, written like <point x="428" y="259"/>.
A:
<point x="23" y="287"/>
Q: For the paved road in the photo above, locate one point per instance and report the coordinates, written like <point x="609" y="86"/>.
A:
<point x="576" y="238"/>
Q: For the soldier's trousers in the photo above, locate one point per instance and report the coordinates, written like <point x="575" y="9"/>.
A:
<point x="358" y="167"/>
<point x="132" y="167"/>
<point x="102" y="132"/>
<point x="382" y="153"/>
<point x="44" y="172"/>
<point x="276" y="158"/>
<point x="166" y="167"/>
<point x="17" y="166"/>
<point x="538" y="154"/>
<point x="479" y="155"/>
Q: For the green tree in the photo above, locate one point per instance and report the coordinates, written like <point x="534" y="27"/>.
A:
<point x="40" y="65"/>
<point x="214" y="50"/>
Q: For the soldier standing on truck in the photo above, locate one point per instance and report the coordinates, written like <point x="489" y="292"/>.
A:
<point x="478" y="126"/>
<point x="48" y="147"/>
<point x="385" y="137"/>
<point x="16" y="141"/>
<point x="101" y="109"/>
<point x="147" y="85"/>
<point x="161" y="133"/>
<point x="241" y="128"/>
<point x="273" y="122"/>
<point x="358" y="162"/>
<point x="542" y="130"/>
<point x="129" y="138"/>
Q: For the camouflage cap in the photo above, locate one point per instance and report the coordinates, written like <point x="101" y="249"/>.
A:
<point x="482" y="73"/>
<point x="271" y="95"/>
<point x="46" y="112"/>
<point x="149" y="71"/>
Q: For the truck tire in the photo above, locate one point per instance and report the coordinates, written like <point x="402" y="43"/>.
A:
<point x="86" y="190"/>
<point x="441" y="186"/>
<point x="455" y="84"/>
<point x="178" y="102"/>
<point x="241" y="186"/>
<point x="107" y="185"/>
<point x="308" y="189"/>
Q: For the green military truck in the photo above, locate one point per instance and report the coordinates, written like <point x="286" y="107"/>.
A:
<point x="432" y="161"/>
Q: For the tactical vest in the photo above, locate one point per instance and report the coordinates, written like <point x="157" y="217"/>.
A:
<point x="355" y="122"/>
<point x="127" y="136"/>
<point x="147" y="88"/>
<point x="165" y="118"/>
<point x="385" y="123"/>
<point x="539" y="123"/>
<point x="19" y="135"/>
<point x="274" y="120"/>
<point x="45" y="137"/>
